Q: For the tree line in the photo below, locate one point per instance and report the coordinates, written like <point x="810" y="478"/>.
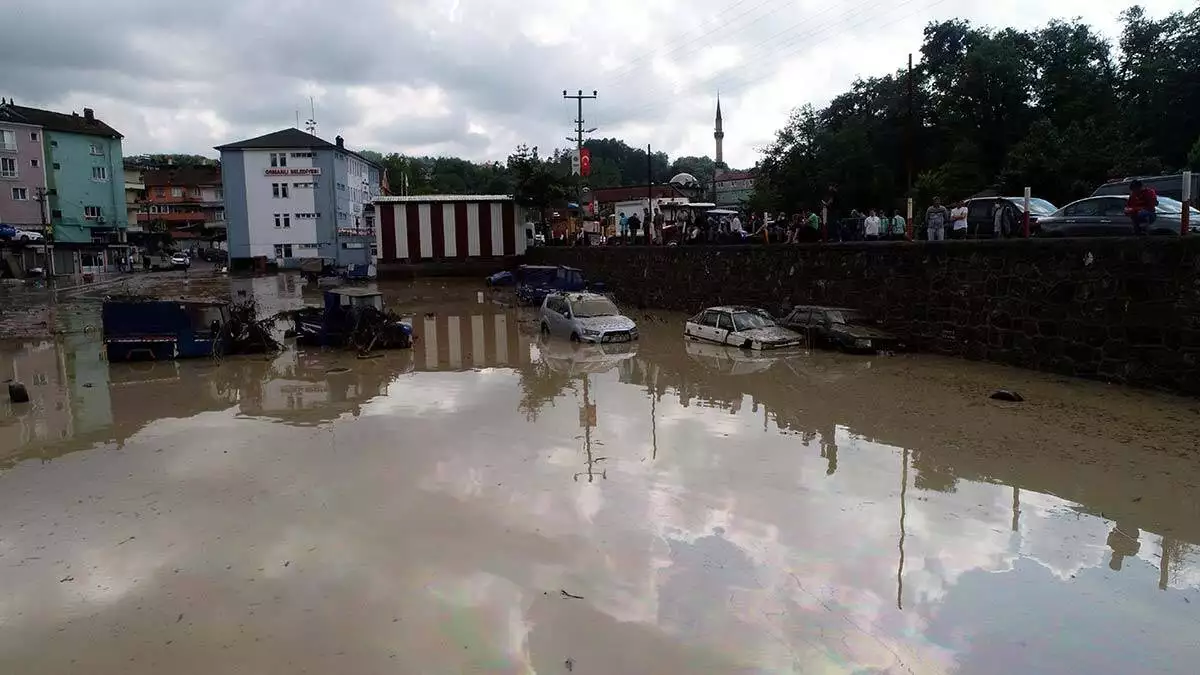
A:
<point x="613" y="164"/>
<point x="1060" y="109"/>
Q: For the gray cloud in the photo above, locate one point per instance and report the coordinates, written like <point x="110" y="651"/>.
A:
<point x="245" y="66"/>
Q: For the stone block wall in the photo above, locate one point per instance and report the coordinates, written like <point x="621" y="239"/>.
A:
<point x="1123" y="310"/>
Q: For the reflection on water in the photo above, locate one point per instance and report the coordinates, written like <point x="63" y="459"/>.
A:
<point x="719" y="511"/>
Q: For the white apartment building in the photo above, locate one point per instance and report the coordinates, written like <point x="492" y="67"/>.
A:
<point x="291" y="196"/>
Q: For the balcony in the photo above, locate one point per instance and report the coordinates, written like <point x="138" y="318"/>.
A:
<point x="185" y="217"/>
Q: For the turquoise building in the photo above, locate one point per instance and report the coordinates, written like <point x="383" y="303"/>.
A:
<point x="85" y="187"/>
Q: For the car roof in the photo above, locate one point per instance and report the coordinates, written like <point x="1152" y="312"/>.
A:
<point x="575" y="296"/>
<point x="823" y="308"/>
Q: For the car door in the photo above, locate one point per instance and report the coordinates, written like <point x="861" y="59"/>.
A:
<point x="798" y="320"/>
<point x="708" y="326"/>
<point x="1082" y="218"/>
<point x="559" y="325"/>
<point x="1113" y="220"/>
<point x="724" y="329"/>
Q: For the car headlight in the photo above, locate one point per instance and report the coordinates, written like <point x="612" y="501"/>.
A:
<point x="591" y="333"/>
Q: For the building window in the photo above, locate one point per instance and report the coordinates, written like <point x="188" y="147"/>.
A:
<point x="162" y="192"/>
<point x="274" y="161"/>
<point x="220" y="195"/>
<point x="300" y="155"/>
<point x="33" y="136"/>
<point x="220" y="215"/>
<point x="95" y="149"/>
<point x="278" y="159"/>
<point x="287" y="222"/>
<point x="100" y="173"/>
<point x="302" y="185"/>
<point x="176" y="192"/>
<point x="283" y="250"/>
<point x="278" y="220"/>
<point x="57" y="166"/>
<point x="8" y="140"/>
<point x="55" y="213"/>
<point x="8" y="167"/>
<point x="34" y="163"/>
<point x="20" y="194"/>
<point x="54" y="144"/>
<point x="279" y="190"/>
<point x="91" y="212"/>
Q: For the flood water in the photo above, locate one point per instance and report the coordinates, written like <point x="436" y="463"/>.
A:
<point x="484" y="503"/>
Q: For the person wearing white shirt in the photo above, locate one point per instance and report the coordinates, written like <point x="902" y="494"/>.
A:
<point x="958" y="215"/>
<point x="871" y="227"/>
<point x="735" y="225"/>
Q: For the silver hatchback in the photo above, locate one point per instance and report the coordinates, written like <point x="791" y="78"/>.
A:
<point x="585" y="317"/>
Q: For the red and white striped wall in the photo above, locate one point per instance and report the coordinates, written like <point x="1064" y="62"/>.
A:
<point x="448" y="227"/>
<point x="464" y="342"/>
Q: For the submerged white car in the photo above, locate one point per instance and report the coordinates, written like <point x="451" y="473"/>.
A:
<point x="745" y="327"/>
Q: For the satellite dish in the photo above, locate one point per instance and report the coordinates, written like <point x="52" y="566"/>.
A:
<point x="685" y="181"/>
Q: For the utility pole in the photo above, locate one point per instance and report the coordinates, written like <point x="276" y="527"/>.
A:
<point x="646" y="226"/>
<point x="908" y="142"/>
<point x="43" y="201"/>
<point x="579" y="132"/>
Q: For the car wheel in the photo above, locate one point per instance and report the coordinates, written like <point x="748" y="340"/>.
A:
<point x="574" y="337"/>
<point x="545" y="330"/>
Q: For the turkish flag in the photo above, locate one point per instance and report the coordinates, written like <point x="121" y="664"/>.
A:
<point x="585" y="162"/>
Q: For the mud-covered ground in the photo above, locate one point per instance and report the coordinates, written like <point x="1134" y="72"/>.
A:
<point x="486" y="502"/>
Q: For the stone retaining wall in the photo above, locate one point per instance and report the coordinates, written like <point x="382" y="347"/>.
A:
<point x="1119" y="309"/>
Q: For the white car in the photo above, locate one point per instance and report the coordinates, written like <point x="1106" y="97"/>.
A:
<point x="28" y="235"/>
<point x="745" y="327"/>
<point x="585" y="317"/>
<point x="180" y="261"/>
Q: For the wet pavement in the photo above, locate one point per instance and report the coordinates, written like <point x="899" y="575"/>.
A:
<point x="485" y="503"/>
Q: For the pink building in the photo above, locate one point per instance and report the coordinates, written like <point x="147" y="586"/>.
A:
<point x="22" y="174"/>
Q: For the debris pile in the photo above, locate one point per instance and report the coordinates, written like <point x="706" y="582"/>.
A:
<point x="378" y="329"/>
<point x="244" y="332"/>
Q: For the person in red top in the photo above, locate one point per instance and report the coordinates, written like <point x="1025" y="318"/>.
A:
<point x="1141" y="206"/>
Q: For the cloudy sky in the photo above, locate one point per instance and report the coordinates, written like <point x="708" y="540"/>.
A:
<point x="471" y="78"/>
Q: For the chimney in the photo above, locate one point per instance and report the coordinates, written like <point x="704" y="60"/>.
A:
<point x="341" y="142"/>
<point x="89" y="114"/>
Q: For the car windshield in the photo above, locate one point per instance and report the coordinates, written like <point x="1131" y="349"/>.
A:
<point x="750" y="320"/>
<point x="1168" y="205"/>
<point x="586" y="309"/>
<point x="1038" y="207"/>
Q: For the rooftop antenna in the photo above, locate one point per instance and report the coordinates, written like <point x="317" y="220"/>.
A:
<point x="297" y="118"/>
<point x="311" y="125"/>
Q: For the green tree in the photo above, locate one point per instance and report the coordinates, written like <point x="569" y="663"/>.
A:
<point x="537" y="184"/>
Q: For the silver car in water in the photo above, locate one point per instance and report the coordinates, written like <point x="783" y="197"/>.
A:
<point x="585" y="317"/>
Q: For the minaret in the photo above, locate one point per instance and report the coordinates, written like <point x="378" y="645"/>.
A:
<point x="719" y="135"/>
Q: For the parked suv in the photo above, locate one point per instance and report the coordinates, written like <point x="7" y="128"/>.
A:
<point x="585" y="317"/>
<point x="981" y="214"/>
<point x="1165" y="186"/>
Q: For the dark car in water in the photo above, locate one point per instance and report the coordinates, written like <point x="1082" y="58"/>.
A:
<point x="1105" y="217"/>
<point x="839" y="328"/>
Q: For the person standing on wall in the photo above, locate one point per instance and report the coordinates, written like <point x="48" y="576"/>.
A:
<point x="899" y="225"/>
<point x="659" y="221"/>
<point x="623" y="224"/>
<point x="958" y="216"/>
<point x="1142" y="206"/>
<point x="871" y="227"/>
<point x="935" y="220"/>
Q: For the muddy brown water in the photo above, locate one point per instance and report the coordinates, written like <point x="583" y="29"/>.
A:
<point x="488" y="503"/>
